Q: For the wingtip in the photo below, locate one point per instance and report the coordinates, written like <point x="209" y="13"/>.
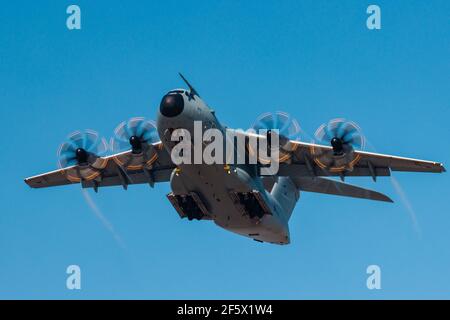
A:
<point x="380" y="197"/>
<point x="27" y="181"/>
<point x="385" y="198"/>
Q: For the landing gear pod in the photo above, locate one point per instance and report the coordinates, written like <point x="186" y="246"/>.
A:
<point x="189" y="206"/>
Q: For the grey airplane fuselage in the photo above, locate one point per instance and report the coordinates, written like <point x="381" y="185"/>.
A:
<point x="178" y="110"/>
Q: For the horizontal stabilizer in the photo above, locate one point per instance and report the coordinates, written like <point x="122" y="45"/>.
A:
<point x="329" y="186"/>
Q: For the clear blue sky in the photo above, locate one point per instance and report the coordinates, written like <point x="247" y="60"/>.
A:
<point x="313" y="59"/>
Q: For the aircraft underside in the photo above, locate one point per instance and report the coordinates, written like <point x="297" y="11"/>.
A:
<point x="235" y="203"/>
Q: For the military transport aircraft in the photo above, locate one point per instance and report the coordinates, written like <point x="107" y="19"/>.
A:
<point x="236" y="197"/>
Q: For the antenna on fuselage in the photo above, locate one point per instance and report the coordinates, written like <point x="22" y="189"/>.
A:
<point x="192" y="90"/>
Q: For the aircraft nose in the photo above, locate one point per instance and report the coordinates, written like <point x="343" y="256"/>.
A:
<point x="171" y="105"/>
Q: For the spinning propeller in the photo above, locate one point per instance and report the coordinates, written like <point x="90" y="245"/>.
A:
<point x="287" y="128"/>
<point x="82" y="148"/>
<point x="344" y="137"/>
<point x="286" y="125"/>
<point x="139" y="134"/>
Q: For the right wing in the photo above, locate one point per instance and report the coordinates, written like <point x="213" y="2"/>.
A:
<point x="369" y="163"/>
<point x="299" y="161"/>
<point x="114" y="171"/>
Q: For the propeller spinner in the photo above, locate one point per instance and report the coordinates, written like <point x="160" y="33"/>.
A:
<point x="344" y="137"/>
<point x="287" y="128"/>
<point x="139" y="134"/>
<point x="82" y="148"/>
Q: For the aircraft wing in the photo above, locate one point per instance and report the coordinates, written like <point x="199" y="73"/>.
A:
<point x="298" y="163"/>
<point x="301" y="160"/>
<point x="298" y="159"/>
<point x="120" y="169"/>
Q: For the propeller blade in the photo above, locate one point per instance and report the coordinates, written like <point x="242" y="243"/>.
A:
<point x="286" y="125"/>
<point x="145" y="130"/>
<point x="348" y="131"/>
<point x="87" y="141"/>
<point x="121" y="133"/>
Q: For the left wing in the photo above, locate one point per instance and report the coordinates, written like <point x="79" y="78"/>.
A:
<point x="118" y="169"/>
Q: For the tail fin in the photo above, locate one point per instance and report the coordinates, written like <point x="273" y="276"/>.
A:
<point x="286" y="193"/>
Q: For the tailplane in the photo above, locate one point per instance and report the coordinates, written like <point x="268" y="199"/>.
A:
<point x="329" y="186"/>
<point x="286" y="190"/>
